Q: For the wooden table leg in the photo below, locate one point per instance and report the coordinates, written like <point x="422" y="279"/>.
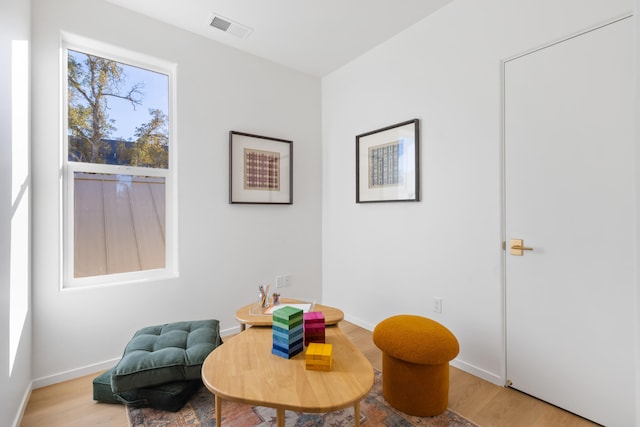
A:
<point x="356" y="413"/>
<point x="280" y="417"/>
<point x="218" y="403"/>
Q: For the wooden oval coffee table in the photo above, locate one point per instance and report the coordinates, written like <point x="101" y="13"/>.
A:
<point x="253" y="315"/>
<point x="244" y="370"/>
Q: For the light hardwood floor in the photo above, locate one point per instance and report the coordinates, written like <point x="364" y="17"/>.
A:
<point x="70" y="404"/>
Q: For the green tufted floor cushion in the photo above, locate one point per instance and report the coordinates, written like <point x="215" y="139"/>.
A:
<point x="166" y="397"/>
<point x="165" y="353"/>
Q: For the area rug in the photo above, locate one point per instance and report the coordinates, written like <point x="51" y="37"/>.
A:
<point x="374" y="412"/>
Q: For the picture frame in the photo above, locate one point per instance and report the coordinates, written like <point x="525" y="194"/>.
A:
<point x="387" y="164"/>
<point x="260" y="169"/>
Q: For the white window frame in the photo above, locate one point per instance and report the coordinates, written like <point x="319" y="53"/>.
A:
<point x="68" y="281"/>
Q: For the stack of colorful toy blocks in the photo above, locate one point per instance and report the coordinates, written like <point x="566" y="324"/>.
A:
<point x="287" y="332"/>
<point x="319" y="357"/>
<point x="313" y="327"/>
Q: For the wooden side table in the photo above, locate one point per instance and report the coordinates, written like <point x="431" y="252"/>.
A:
<point x="252" y="315"/>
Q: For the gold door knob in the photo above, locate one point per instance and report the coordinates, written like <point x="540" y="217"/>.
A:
<point x="517" y="247"/>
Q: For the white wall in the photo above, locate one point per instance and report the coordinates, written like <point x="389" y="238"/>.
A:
<point x="385" y="259"/>
<point x="445" y="71"/>
<point x="15" y="322"/>
<point x="225" y="250"/>
<point x="636" y="7"/>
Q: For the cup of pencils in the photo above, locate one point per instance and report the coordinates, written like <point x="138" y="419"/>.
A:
<point x="263" y="296"/>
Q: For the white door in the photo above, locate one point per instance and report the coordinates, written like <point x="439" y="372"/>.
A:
<point x="569" y="196"/>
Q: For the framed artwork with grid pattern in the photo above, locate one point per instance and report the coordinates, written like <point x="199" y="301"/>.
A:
<point x="260" y="169"/>
<point x="388" y="164"/>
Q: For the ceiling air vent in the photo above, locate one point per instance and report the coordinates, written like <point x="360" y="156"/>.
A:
<point x="229" y="26"/>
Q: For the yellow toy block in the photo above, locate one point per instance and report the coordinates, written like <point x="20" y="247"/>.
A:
<point x="319" y="357"/>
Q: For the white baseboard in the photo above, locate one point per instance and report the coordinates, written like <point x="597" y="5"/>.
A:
<point x="230" y="331"/>
<point x="103" y="366"/>
<point x="74" y="373"/>
<point x="23" y="406"/>
<point x="359" y="322"/>
<point x="480" y="373"/>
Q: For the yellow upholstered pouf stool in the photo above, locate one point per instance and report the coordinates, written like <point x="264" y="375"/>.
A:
<point x="415" y="363"/>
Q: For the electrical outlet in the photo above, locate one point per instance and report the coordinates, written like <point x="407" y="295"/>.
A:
<point x="437" y="305"/>
<point x="283" y="280"/>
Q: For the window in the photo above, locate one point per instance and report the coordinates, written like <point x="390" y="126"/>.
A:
<point x="119" y="177"/>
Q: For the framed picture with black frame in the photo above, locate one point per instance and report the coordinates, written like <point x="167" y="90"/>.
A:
<point x="387" y="164"/>
<point x="260" y="169"/>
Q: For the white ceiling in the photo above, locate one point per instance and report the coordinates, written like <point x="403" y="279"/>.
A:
<point x="312" y="36"/>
